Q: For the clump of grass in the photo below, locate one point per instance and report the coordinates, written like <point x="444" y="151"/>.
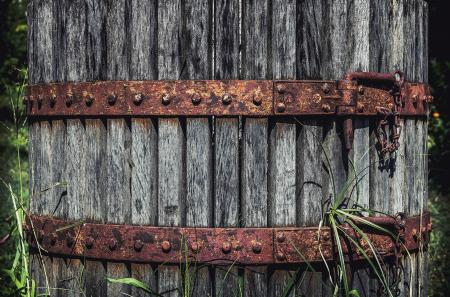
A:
<point x="18" y="272"/>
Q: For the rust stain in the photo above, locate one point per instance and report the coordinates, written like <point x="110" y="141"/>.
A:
<point x="243" y="246"/>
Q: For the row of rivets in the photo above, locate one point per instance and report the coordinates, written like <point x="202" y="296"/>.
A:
<point x="138" y="98"/>
<point x="166" y="246"/>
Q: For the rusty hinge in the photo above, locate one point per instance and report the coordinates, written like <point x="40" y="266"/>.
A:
<point x="387" y="96"/>
<point x="246" y="246"/>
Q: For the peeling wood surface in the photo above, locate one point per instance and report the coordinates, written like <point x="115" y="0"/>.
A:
<point x="222" y="39"/>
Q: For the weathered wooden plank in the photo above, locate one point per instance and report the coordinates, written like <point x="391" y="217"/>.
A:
<point x="144" y="176"/>
<point x="254" y="170"/>
<point x="226" y="131"/>
<point x="118" y="153"/>
<point x="171" y="187"/>
<point x="197" y="52"/>
<point x="282" y="146"/>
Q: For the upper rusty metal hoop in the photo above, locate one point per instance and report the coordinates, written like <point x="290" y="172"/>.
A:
<point x="246" y="246"/>
<point x="358" y="94"/>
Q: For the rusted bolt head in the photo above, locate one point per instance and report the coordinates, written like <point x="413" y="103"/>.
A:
<point x="360" y="107"/>
<point x="89" y="242"/>
<point x="166" y="246"/>
<point x="280" y="256"/>
<point x="112" y="244"/>
<point x="316" y="98"/>
<point x="138" y="98"/>
<point x="326" y="253"/>
<point x="281" y="237"/>
<point x="138" y="245"/>
<point x="227" y="98"/>
<point x="195" y="246"/>
<point x="52" y="239"/>
<point x="52" y="100"/>
<point x="326" y="236"/>
<point x="326" y="107"/>
<point x="226" y="247"/>
<point x="391" y="106"/>
<point x="166" y="99"/>
<point x="256" y="246"/>
<point x="326" y="88"/>
<point x="112" y="98"/>
<point x="280" y="88"/>
<point x="257" y="100"/>
<point x="196" y="99"/>
<point x="281" y="107"/>
<point x="89" y="100"/>
<point x="69" y="98"/>
<point x="361" y="90"/>
<point x="70" y="241"/>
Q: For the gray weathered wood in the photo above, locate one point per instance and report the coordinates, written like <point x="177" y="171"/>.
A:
<point x="226" y="150"/>
<point x="171" y="188"/>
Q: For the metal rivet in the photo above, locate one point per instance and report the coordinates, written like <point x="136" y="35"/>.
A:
<point x="280" y="256"/>
<point x="52" y="100"/>
<point x="226" y="247"/>
<point x="166" y="246"/>
<point x="226" y="98"/>
<point x="138" y="98"/>
<point x="327" y="253"/>
<point x="316" y="98"/>
<point x="281" y="237"/>
<point x="326" y="107"/>
<point x="326" y="236"/>
<point x="195" y="247"/>
<point x="69" y="98"/>
<point x="280" y="88"/>
<point x="52" y="239"/>
<point x="360" y="106"/>
<point x="281" y="107"/>
<point x="257" y="101"/>
<point x="89" y="100"/>
<point x="361" y="90"/>
<point x="165" y="99"/>
<point x="138" y="245"/>
<point x="89" y="242"/>
<point x="112" y="244"/>
<point x="256" y="247"/>
<point x="196" y="99"/>
<point x="326" y="88"/>
<point x="112" y="98"/>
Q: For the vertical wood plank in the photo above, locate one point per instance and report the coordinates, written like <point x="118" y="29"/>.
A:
<point x="118" y="136"/>
<point x="144" y="150"/>
<point x="226" y="137"/>
<point x="118" y="151"/>
<point x="197" y="53"/>
<point x="171" y="165"/>
<point x="96" y="189"/>
<point x="282" y="147"/>
<point x="255" y="150"/>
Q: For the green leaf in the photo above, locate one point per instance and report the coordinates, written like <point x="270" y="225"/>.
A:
<point x="132" y="282"/>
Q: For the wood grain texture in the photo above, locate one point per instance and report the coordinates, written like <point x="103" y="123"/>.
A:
<point x="226" y="65"/>
<point x="282" y="145"/>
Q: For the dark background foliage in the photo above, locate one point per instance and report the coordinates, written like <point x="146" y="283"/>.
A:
<point x="13" y="59"/>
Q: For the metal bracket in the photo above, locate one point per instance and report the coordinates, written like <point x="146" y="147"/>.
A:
<point x="387" y="96"/>
<point x="245" y="246"/>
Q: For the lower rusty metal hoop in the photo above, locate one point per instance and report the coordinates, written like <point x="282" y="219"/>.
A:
<point x="244" y="246"/>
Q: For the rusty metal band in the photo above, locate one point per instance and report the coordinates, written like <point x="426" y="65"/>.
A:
<point x="244" y="246"/>
<point x="358" y="94"/>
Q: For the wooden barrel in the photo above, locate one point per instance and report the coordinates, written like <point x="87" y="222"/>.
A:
<point x="220" y="171"/>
